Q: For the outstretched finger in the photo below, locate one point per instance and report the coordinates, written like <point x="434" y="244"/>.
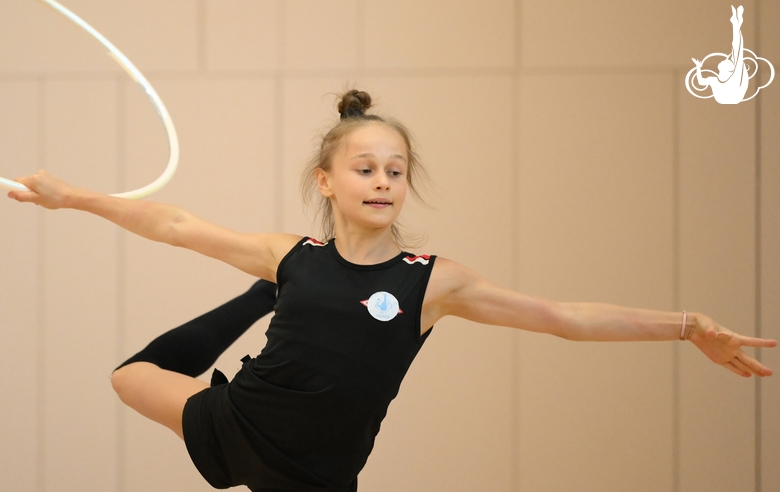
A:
<point x="757" y="342"/>
<point x="744" y="367"/>
<point x="731" y="367"/>
<point x="752" y="365"/>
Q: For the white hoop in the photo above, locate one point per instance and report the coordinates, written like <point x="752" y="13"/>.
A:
<point x="138" y="77"/>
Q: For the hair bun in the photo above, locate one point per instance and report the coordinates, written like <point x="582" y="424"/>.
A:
<point x="354" y="104"/>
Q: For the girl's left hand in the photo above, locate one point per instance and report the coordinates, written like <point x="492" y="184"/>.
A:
<point x="724" y="347"/>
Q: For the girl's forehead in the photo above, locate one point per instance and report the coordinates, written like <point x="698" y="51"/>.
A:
<point x="375" y="138"/>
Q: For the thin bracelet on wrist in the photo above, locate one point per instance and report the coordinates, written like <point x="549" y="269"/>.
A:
<point x="685" y="330"/>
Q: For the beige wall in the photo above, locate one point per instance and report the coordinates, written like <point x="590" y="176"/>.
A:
<point x="569" y="162"/>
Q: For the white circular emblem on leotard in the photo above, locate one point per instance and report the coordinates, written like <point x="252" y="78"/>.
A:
<point x="383" y="306"/>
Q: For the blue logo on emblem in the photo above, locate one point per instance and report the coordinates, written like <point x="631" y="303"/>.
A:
<point x="383" y="306"/>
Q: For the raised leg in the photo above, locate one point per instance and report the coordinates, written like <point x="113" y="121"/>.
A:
<point x="158" y="380"/>
<point x="193" y="347"/>
<point x="155" y="393"/>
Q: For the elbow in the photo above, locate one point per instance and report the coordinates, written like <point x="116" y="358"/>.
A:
<point x="174" y="233"/>
<point x="569" y="334"/>
<point x="574" y="334"/>
<point x="567" y="323"/>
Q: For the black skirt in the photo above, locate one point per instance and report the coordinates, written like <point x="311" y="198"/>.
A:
<point x="216" y="438"/>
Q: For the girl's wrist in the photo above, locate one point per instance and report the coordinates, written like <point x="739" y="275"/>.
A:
<point x="80" y="199"/>
<point x="691" y="327"/>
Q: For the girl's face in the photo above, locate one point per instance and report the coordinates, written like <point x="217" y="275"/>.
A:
<point x="366" y="183"/>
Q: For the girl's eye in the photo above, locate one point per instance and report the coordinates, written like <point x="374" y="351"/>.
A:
<point x="394" y="173"/>
<point x="365" y="171"/>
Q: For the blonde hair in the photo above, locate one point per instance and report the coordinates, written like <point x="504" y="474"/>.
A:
<point x="352" y="107"/>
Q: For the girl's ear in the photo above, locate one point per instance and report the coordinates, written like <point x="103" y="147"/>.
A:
<point x="323" y="182"/>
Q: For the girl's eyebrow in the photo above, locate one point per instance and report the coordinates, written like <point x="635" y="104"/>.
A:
<point x="369" y="154"/>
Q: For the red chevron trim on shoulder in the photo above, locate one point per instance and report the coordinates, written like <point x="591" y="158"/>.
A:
<point x="313" y="242"/>
<point x="424" y="259"/>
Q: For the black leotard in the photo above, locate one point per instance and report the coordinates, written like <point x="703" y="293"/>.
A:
<point x="339" y="345"/>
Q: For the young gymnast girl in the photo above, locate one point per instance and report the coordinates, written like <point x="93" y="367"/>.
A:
<point x="351" y="313"/>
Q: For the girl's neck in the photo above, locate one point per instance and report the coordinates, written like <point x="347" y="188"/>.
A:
<point x="366" y="247"/>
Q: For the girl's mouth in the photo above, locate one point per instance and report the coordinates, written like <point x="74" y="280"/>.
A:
<point x="379" y="203"/>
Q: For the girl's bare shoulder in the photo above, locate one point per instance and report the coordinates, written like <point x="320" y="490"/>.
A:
<point x="280" y="243"/>
<point x="448" y="275"/>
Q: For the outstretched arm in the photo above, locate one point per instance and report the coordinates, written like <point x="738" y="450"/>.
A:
<point x="458" y="291"/>
<point x="256" y="254"/>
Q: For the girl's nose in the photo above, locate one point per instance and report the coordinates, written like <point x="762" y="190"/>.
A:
<point x="382" y="182"/>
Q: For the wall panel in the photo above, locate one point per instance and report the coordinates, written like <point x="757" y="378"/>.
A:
<point x="610" y="33"/>
<point x="321" y="35"/>
<point x="19" y="286"/>
<point x="79" y="292"/>
<point x="717" y="277"/>
<point x="154" y="35"/>
<point x="595" y="211"/>
<point x="42" y="41"/>
<point x="769" y="154"/>
<point x="770" y="288"/>
<point x="242" y="35"/>
<point x="429" y="34"/>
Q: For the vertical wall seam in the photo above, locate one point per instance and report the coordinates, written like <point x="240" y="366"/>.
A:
<point x="515" y="244"/>
<point x="121" y="279"/>
<point x="41" y="301"/>
<point x="361" y="37"/>
<point x="200" y="34"/>
<point x="279" y="84"/>
<point x="758" y="381"/>
<point x="757" y="294"/>
<point x="675" y="279"/>
<point x="279" y="152"/>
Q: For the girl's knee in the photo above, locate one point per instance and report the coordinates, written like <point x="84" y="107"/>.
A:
<point x="155" y="393"/>
<point x="124" y="379"/>
<point x="119" y="381"/>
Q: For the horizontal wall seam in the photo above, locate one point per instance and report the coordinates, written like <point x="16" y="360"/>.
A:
<point x="340" y="72"/>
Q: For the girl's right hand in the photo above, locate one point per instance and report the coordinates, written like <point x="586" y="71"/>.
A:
<point x="724" y="347"/>
<point x="45" y="190"/>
